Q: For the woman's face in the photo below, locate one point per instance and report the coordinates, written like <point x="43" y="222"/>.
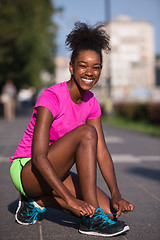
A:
<point x="86" y="69"/>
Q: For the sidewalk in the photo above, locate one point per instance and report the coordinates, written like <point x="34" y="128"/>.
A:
<point x="137" y="165"/>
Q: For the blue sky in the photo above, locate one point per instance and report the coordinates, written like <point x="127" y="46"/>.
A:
<point x="93" y="11"/>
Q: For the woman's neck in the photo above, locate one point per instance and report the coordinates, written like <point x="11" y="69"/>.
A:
<point x="76" y="93"/>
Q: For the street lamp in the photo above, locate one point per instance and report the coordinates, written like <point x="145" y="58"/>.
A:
<point x="107" y="5"/>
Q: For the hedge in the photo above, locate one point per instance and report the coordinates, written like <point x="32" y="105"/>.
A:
<point x="148" y="112"/>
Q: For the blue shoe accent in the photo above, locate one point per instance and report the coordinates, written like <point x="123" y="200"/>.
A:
<point x="112" y="214"/>
<point x="27" y="213"/>
<point x="101" y="225"/>
<point x="98" y="216"/>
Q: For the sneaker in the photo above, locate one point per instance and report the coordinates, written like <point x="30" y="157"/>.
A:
<point x="100" y="225"/>
<point x="27" y="213"/>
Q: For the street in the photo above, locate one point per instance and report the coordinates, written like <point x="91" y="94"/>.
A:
<point x="137" y="165"/>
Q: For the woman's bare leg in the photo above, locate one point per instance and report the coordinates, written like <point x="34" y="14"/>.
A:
<point x="72" y="183"/>
<point x="78" y="146"/>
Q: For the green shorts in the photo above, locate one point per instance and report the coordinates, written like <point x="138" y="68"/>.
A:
<point x="15" y="173"/>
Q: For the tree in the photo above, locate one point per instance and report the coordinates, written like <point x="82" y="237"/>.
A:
<point x="27" y="40"/>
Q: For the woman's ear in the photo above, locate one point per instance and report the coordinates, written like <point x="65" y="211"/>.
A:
<point x="71" y="67"/>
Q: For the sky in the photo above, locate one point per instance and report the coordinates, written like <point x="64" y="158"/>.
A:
<point x="93" y="11"/>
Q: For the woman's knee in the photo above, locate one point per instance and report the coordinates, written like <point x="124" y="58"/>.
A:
<point x="88" y="132"/>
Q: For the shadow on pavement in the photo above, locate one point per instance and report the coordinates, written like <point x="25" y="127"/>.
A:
<point x="61" y="218"/>
<point x="146" y="172"/>
<point x="13" y="206"/>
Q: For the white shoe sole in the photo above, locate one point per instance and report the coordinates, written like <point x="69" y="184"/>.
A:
<point x="125" y="229"/>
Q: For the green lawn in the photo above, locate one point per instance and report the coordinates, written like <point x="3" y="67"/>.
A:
<point x="142" y="127"/>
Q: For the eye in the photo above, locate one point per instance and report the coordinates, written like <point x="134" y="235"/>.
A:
<point x="82" y="66"/>
<point x="97" y="68"/>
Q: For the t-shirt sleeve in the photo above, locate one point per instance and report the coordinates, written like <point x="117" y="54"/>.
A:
<point x="49" y="100"/>
<point x="95" y="109"/>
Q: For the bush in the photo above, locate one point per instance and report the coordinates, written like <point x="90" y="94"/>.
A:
<point x="148" y="112"/>
<point x="153" y="112"/>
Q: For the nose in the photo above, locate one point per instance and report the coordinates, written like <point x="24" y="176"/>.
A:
<point x="89" y="71"/>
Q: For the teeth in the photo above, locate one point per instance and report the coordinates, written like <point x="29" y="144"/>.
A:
<point x="87" y="80"/>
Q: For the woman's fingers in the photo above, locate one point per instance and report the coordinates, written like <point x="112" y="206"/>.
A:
<point x="87" y="210"/>
<point x="84" y="208"/>
<point x="123" y="206"/>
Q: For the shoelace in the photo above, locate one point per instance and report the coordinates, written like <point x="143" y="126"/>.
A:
<point x="100" y="214"/>
<point x="113" y="214"/>
<point x="33" y="214"/>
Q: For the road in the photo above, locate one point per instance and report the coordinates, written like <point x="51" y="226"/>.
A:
<point x="137" y="165"/>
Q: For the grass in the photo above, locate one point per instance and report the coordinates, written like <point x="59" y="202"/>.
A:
<point x="140" y="126"/>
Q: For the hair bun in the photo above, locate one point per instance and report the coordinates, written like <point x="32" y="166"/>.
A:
<point x="85" y="35"/>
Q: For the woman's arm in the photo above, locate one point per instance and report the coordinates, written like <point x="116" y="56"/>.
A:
<point x="107" y="169"/>
<point x="40" y="151"/>
<point x="41" y="162"/>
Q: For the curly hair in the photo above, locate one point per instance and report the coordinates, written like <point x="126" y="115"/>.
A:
<point x="86" y="37"/>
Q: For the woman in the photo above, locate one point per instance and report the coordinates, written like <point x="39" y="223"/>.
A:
<point x="65" y="129"/>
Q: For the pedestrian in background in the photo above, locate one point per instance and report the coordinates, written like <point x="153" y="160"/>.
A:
<point x="8" y="98"/>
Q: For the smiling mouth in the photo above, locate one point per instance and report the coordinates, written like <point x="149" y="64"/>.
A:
<point x="87" y="80"/>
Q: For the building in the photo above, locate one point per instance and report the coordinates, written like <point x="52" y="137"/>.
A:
<point x="129" y="69"/>
<point x="62" y="69"/>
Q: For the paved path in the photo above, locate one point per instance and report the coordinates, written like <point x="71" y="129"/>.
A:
<point x="137" y="164"/>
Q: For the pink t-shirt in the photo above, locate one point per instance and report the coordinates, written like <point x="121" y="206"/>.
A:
<point x="66" y="115"/>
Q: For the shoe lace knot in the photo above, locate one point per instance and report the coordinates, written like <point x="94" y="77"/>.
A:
<point x="33" y="214"/>
<point x="100" y="214"/>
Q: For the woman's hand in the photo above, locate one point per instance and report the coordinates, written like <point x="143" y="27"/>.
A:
<point x="82" y="207"/>
<point x="121" y="205"/>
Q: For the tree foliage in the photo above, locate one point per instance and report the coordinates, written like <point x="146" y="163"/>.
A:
<point x="27" y="40"/>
